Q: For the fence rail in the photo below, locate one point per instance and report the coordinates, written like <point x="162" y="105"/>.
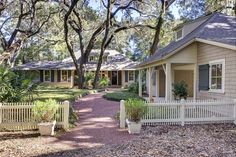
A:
<point x="186" y="112"/>
<point x="18" y="116"/>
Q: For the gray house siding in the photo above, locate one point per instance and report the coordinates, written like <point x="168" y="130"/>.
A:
<point x="207" y="53"/>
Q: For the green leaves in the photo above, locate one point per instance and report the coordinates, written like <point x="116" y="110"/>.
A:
<point x="44" y="111"/>
<point x="135" y="109"/>
<point x="180" y="90"/>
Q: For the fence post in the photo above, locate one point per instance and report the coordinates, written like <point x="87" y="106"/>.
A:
<point x="66" y="114"/>
<point x="182" y="111"/>
<point x="235" y="111"/>
<point x="122" y="114"/>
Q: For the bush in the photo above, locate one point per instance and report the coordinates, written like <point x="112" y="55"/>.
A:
<point x="44" y="111"/>
<point x="15" y="86"/>
<point x="118" y="96"/>
<point x="89" y="77"/>
<point x="133" y="87"/>
<point x="180" y="90"/>
<point x="104" y="82"/>
<point x="135" y="109"/>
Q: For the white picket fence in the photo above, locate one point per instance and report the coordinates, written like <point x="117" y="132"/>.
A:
<point x="18" y="116"/>
<point x="186" y="112"/>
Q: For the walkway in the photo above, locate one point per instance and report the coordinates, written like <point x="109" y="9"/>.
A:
<point x="97" y="125"/>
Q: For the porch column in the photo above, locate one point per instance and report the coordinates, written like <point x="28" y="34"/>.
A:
<point x="140" y="83"/>
<point x="168" y="82"/>
<point x="150" y="83"/>
<point x="72" y="78"/>
<point x="195" y="74"/>
<point x="157" y="83"/>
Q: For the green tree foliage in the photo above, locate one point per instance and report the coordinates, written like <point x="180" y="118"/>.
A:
<point x="15" y="87"/>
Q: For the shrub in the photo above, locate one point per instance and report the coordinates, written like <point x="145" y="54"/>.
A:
<point x="104" y="81"/>
<point x="89" y="77"/>
<point x="44" y="111"/>
<point x="15" y="86"/>
<point x="180" y="90"/>
<point x="135" y="109"/>
<point x="133" y="87"/>
<point x="118" y="96"/>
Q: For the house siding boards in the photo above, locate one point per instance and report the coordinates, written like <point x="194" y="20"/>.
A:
<point x="207" y="53"/>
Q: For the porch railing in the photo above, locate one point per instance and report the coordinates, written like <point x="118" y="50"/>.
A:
<point x="186" y="112"/>
<point x="18" y="116"/>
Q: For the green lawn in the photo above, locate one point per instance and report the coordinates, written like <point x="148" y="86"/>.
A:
<point x="60" y="94"/>
<point x="121" y="95"/>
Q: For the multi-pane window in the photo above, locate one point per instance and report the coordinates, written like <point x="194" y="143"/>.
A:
<point x="131" y="75"/>
<point x="47" y="76"/>
<point x="217" y="75"/>
<point x="64" y="75"/>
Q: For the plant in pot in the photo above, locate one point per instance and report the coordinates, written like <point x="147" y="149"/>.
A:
<point x="135" y="110"/>
<point x="44" y="113"/>
<point x="180" y="90"/>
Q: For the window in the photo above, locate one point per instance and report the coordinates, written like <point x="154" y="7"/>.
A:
<point x="47" y="76"/>
<point x="126" y="76"/>
<point x="131" y="75"/>
<point x="179" y="34"/>
<point x="64" y="75"/>
<point x="217" y="74"/>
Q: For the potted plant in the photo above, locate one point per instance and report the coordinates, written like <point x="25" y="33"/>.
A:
<point x="135" y="110"/>
<point x="180" y="90"/>
<point x="44" y="113"/>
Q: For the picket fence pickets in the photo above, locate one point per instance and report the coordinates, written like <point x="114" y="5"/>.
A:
<point x="186" y="112"/>
<point x="18" y="116"/>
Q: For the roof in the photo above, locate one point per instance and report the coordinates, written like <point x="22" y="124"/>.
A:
<point x="118" y="61"/>
<point x="217" y="28"/>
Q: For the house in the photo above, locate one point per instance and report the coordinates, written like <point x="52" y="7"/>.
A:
<point x="118" y="67"/>
<point x="203" y="55"/>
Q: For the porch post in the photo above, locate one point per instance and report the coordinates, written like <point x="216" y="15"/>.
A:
<point x="168" y="82"/>
<point x="72" y="78"/>
<point x="195" y="74"/>
<point x="150" y="71"/>
<point x="140" y="83"/>
<point x="157" y="83"/>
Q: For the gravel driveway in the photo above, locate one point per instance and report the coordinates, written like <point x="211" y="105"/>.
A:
<point x="97" y="134"/>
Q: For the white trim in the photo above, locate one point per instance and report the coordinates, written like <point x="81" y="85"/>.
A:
<point x="222" y="90"/>
<point x="66" y="75"/>
<point x="215" y="43"/>
<point x="49" y="76"/>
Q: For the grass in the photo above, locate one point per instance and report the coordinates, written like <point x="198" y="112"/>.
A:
<point x="121" y="95"/>
<point x="59" y="94"/>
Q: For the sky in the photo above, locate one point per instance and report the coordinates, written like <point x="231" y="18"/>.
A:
<point x="95" y="4"/>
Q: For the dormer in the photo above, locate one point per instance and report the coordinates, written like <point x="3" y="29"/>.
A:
<point x="185" y="28"/>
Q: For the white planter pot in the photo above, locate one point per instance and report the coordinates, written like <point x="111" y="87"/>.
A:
<point x="133" y="127"/>
<point x="47" y="128"/>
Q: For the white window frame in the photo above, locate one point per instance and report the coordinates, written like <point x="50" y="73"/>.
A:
<point x="49" y="76"/>
<point x="181" y="29"/>
<point x="66" y="76"/>
<point x="220" y="61"/>
<point x="133" y="76"/>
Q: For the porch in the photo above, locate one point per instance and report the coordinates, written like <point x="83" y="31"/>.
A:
<point x="158" y="80"/>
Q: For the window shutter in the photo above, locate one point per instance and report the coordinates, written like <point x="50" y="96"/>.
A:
<point x="204" y="77"/>
<point x="52" y="75"/>
<point x="126" y="76"/>
<point x="69" y="75"/>
<point x="41" y="75"/>
<point x="58" y="75"/>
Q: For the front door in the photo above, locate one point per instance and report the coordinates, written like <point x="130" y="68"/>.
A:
<point x="114" y="77"/>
